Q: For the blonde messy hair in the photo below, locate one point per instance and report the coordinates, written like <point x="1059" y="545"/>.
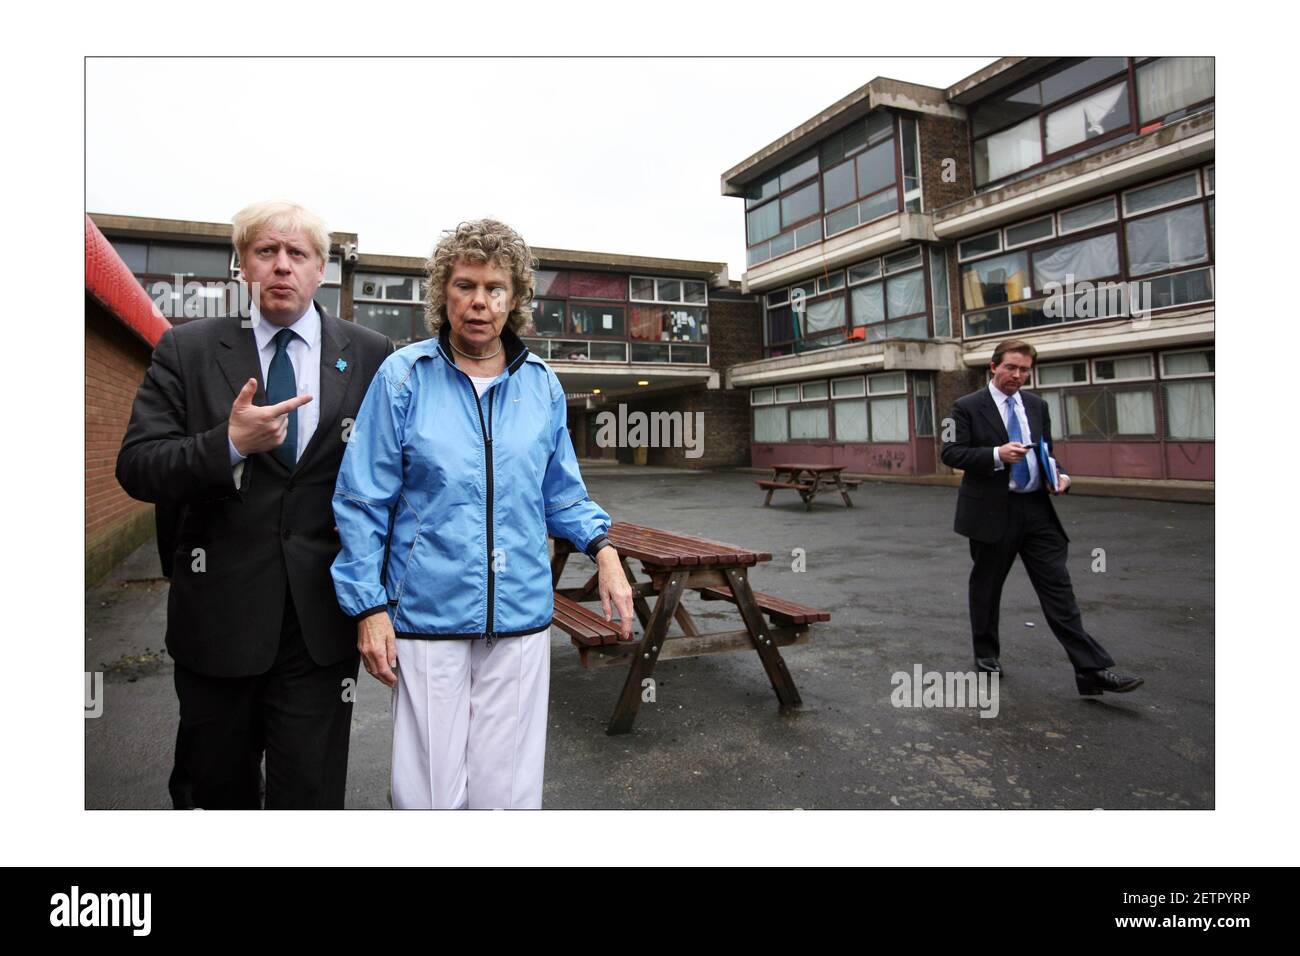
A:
<point x="283" y="217"/>
<point x="482" y="241"/>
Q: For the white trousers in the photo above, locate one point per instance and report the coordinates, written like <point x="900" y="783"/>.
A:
<point x="469" y="723"/>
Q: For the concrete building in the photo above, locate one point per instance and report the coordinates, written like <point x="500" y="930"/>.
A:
<point x="899" y="234"/>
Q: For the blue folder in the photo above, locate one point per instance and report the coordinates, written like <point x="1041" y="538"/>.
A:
<point x="1048" y="466"/>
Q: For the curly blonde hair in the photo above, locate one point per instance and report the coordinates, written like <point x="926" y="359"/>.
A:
<point x="482" y="240"/>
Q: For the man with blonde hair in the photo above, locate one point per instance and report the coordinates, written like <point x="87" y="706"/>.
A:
<point x="236" y="435"/>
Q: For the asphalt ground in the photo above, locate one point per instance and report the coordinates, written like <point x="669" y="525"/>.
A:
<point x="893" y="574"/>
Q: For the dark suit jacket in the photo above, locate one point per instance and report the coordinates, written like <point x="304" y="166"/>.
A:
<point x="978" y="429"/>
<point x="273" y="533"/>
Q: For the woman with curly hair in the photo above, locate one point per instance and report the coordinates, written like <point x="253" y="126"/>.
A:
<point x="458" y="466"/>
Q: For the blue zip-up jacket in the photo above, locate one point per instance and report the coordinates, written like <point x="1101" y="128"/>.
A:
<point x="444" y="499"/>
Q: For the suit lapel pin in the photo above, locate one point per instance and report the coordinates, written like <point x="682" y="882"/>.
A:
<point x="340" y="365"/>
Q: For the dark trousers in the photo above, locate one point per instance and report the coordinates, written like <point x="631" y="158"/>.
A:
<point x="298" y="714"/>
<point x="1032" y="534"/>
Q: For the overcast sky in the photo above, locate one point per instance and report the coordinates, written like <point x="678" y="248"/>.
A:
<point x="620" y="156"/>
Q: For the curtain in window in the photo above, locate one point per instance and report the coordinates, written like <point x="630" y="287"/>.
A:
<point x="905" y="294"/>
<point x="1009" y="151"/>
<point x="1166" y="241"/>
<point x="889" y="419"/>
<point x="868" y="304"/>
<point x="1168" y="85"/>
<point x="1087" y="118"/>
<point x="823" y="315"/>
<point x="1088" y="259"/>
<point x="1189" y="409"/>
<point x="809" y="422"/>
<point x="770" y="424"/>
<point x="850" y="421"/>
<point x="1135" y="413"/>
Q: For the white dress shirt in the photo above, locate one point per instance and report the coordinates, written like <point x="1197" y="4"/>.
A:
<point x="304" y="355"/>
<point x="1003" y="401"/>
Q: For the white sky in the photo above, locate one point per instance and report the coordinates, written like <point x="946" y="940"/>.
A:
<point x="610" y="155"/>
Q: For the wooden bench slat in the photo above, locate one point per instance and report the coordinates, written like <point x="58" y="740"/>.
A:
<point x="784" y="484"/>
<point x="583" y="624"/>
<point x="779" y="607"/>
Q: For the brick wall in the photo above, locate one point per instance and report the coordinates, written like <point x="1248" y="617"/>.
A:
<point x="948" y="387"/>
<point x="943" y="138"/>
<point x="115" y="365"/>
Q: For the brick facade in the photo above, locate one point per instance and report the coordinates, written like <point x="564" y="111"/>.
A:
<point x="115" y="365"/>
<point x="944" y="138"/>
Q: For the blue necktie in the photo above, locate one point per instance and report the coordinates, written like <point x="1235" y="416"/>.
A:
<point x="1020" y="470"/>
<point x="280" y="386"/>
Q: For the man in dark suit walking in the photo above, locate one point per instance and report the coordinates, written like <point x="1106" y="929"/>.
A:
<point x="1004" y="508"/>
<point x="236" y="434"/>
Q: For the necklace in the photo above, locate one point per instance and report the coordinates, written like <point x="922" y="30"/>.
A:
<point x="476" y="358"/>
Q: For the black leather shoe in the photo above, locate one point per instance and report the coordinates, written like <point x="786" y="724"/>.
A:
<point x="1092" y="683"/>
<point x="988" y="665"/>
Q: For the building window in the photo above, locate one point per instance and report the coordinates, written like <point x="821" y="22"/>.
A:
<point x="1087" y="216"/>
<point x="939" y="292"/>
<point x="923" y="402"/>
<point x="1079" y="103"/>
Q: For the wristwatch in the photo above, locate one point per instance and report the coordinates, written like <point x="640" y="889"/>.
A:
<point x="597" y="543"/>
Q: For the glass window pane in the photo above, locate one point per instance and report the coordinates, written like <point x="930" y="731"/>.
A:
<point x="799" y="205"/>
<point x="906" y="259"/>
<point x="1072" y="79"/>
<point x="813" y="391"/>
<point x="824" y="315"/>
<point x="1063" y="374"/>
<point x="1189" y="409"/>
<point x="646" y="322"/>
<point x="986" y="323"/>
<point x="1029" y="232"/>
<point x="607" y="351"/>
<point x="134" y="254"/>
<point x="643" y="288"/>
<point x="881" y="204"/>
<point x="806" y="423"/>
<point x="694" y="292"/>
<point x="760" y="396"/>
<point x="1006" y="109"/>
<point x="1161" y="194"/>
<point x="1167" y="240"/>
<point x="206" y="261"/>
<point x="642" y="352"/>
<point x="756" y="193"/>
<point x="879" y="126"/>
<point x="868" y="303"/>
<point x="763" y="222"/>
<point x="770" y="425"/>
<point x="691" y="354"/>
<point x="1008" y="152"/>
<point x="328" y="296"/>
<point x="597" y="319"/>
<point x="782" y="244"/>
<point x="865" y="270"/>
<point x="1085" y="217"/>
<point x="884" y="384"/>
<point x="905" y="294"/>
<point x="850" y="421"/>
<point x="548" y="317"/>
<point x="798" y="173"/>
<point x="846" y="218"/>
<point x="669" y="290"/>
<point x="916" y="328"/>
<point x="1134" y="411"/>
<point x="994" y="281"/>
<point x="334" y="271"/>
<point x="1088" y="118"/>
<point x="939" y="292"/>
<point x="1130" y="367"/>
<point x="875" y="168"/>
<point x="808" y="234"/>
<point x="780" y="325"/>
<point x="1094" y="258"/>
<point x="1183" y="288"/>
<point x="1085" y="413"/>
<point x="848" y="387"/>
<point x="787" y="393"/>
<point x="923" y="407"/>
<point x="971" y="248"/>
<point x="838" y="186"/>
<point x="1188" y="363"/>
<point x="889" y="419"/>
<point x="1054" y="413"/>
<point x="685" y="324"/>
<point x="1168" y="85"/>
<point x="395" y="321"/>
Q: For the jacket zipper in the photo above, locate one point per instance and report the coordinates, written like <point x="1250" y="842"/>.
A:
<point x="487" y="447"/>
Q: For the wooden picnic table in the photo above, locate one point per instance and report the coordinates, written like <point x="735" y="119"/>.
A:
<point x="819" y="478"/>
<point x="673" y="564"/>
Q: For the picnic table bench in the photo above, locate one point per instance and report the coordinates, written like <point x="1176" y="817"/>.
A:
<point x="818" y="478"/>
<point x="673" y="564"/>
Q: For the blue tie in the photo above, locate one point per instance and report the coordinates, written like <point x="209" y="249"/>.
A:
<point x="1020" y="470"/>
<point x="280" y="386"/>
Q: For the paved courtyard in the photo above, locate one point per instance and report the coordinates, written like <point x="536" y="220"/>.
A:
<point x="893" y="574"/>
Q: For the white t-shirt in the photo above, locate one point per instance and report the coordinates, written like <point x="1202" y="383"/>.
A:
<point x="481" y="384"/>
